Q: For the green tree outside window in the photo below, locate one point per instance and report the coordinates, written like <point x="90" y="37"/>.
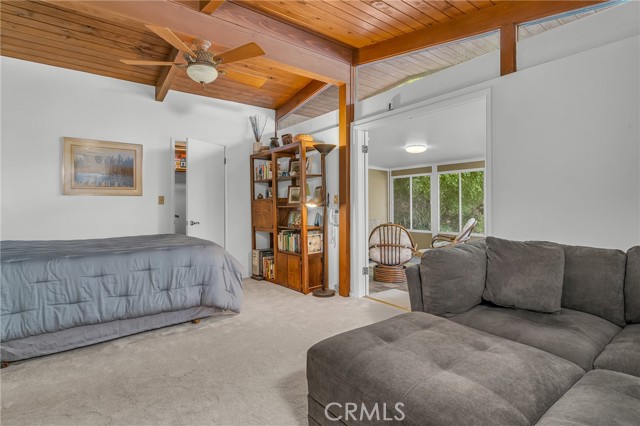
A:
<point x="402" y="202"/>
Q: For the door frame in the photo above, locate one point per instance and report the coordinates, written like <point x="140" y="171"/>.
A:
<point x="172" y="186"/>
<point x="360" y="184"/>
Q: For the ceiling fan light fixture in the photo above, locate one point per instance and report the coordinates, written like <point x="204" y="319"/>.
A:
<point x="415" y="148"/>
<point x="202" y="73"/>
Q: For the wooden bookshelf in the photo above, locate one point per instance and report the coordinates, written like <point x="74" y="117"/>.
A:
<point x="180" y="153"/>
<point x="296" y="269"/>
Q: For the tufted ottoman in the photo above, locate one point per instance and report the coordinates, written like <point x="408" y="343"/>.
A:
<point x="418" y="369"/>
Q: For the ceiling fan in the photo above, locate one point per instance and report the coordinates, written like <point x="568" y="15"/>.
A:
<point x="202" y="65"/>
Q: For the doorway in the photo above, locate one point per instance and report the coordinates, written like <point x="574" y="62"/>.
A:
<point x="199" y="189"/>
<point x="424" y="168"/>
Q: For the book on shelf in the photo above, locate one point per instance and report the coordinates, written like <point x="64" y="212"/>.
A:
<point x="263" y="171"/>
<point x="289" y="241"/>
<point x="269" y="268"/>
<point x="257" y="260"/>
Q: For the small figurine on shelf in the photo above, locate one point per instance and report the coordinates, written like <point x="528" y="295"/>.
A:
<point x="260" y="196"/>
<point x="274" y="142"/>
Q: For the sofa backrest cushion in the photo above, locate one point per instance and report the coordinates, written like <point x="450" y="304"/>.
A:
<point x="632" y="286"/>
<point x="524" y="275"/>
<point x="594" y="282"/>
<point x="453" y="278"/>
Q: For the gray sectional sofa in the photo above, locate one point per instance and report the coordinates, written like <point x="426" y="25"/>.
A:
<point x="501" y="333"/>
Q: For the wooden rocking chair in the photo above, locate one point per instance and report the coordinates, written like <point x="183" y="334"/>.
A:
<point x="391" y="247"/>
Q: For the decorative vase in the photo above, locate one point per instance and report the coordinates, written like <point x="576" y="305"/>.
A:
<point x="274" y="143"/>
<point x="256" y="147"/>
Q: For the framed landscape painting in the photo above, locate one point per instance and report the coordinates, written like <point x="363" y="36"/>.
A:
<point x="101" y="168"/>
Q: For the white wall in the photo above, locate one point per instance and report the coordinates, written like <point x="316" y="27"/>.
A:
<point x="565" y="130"/>
<point x="42" y="104"/>
<point x="565" y="149"/>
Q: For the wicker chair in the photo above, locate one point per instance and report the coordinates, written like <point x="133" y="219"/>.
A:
<point x="390" y="247"/>
<point x="440" y="240"/>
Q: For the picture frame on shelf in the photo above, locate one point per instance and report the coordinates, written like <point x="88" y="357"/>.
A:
<point x="317" y="195"/>
<point x="315" y="242"/>
<point x="294" y="219"/>
<point x="309" y="165"/>
<point x="283" y="167"/>
<point x="294" y="167"/>
<point x="287" y="139"/>
<point x="293" y="195"/>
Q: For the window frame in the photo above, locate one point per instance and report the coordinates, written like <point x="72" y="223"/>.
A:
<point x="392" y="200"/>
<point x="484" y="194"/>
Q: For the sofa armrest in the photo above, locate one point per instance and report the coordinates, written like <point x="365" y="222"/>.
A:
<point x="452" y="279"/>
<point x="415" y="288"/>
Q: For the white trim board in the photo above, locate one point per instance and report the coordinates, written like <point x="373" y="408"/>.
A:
<point x="359" y="164"/>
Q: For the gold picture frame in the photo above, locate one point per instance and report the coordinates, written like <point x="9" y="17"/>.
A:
<point x="92" y="167"/>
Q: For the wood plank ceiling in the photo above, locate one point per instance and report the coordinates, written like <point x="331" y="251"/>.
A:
<point x="52" y="34"/>
<point x="361" y="23"/>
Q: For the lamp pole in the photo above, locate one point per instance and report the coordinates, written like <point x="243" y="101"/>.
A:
<point x="324" y="150"/>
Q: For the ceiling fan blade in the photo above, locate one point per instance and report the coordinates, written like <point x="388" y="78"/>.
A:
<point x="249" y="50"/>
<point x="167" y="35"/>
<point x="249" y="80"/>
<point x="134" y="62"/>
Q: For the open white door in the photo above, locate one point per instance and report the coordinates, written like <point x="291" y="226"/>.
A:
<point x="206" y="191"/>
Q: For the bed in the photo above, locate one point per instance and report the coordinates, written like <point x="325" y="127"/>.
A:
<point x="60" y="295"/>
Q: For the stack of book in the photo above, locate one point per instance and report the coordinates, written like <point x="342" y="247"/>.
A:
<point x="268" y="268"/>
<point x="289" y="241"/>
<point x="257" y="264"/>
<point x="263" y="171"/>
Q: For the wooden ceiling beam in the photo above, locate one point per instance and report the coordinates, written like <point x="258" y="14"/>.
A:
<point x="210" y="6"/>
<point x="480" y="22"/>
<point x="167" y="75"/>
<point x="508" y="43"/>
<point x="303" y="96"/>
<point x="285" y="46"/>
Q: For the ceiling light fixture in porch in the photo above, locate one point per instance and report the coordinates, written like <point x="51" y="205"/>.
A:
<point x="416" y="148"/>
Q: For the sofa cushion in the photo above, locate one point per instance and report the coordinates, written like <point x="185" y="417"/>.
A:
<point x="576" y="336"/>
<point x="632" y="286"/>
<point x="453" y="278"/>
<point x="623" y="353"/>
<point x="444" y="373"/>
<point x="601" y="397"/>
<point x="594" y="282"/>
<point x="524" y="275"/>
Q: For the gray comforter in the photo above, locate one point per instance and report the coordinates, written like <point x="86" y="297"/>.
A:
<point x="48" y="286"/>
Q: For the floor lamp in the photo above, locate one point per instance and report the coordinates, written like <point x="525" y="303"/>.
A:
<point x="324" y="149"/>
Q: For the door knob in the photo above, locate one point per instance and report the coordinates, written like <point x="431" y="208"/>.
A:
<point x="193" y="223"/>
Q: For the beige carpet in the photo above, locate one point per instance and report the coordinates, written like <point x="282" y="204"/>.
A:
<point x="246" y="369"/>
<point x="393" y="297"/>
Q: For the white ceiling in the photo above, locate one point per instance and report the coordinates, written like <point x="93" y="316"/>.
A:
<point x="453" y="134"/>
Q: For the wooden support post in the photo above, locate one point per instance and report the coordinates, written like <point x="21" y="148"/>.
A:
<point x="508" y="43"/>
<point x="345" y="113"/>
